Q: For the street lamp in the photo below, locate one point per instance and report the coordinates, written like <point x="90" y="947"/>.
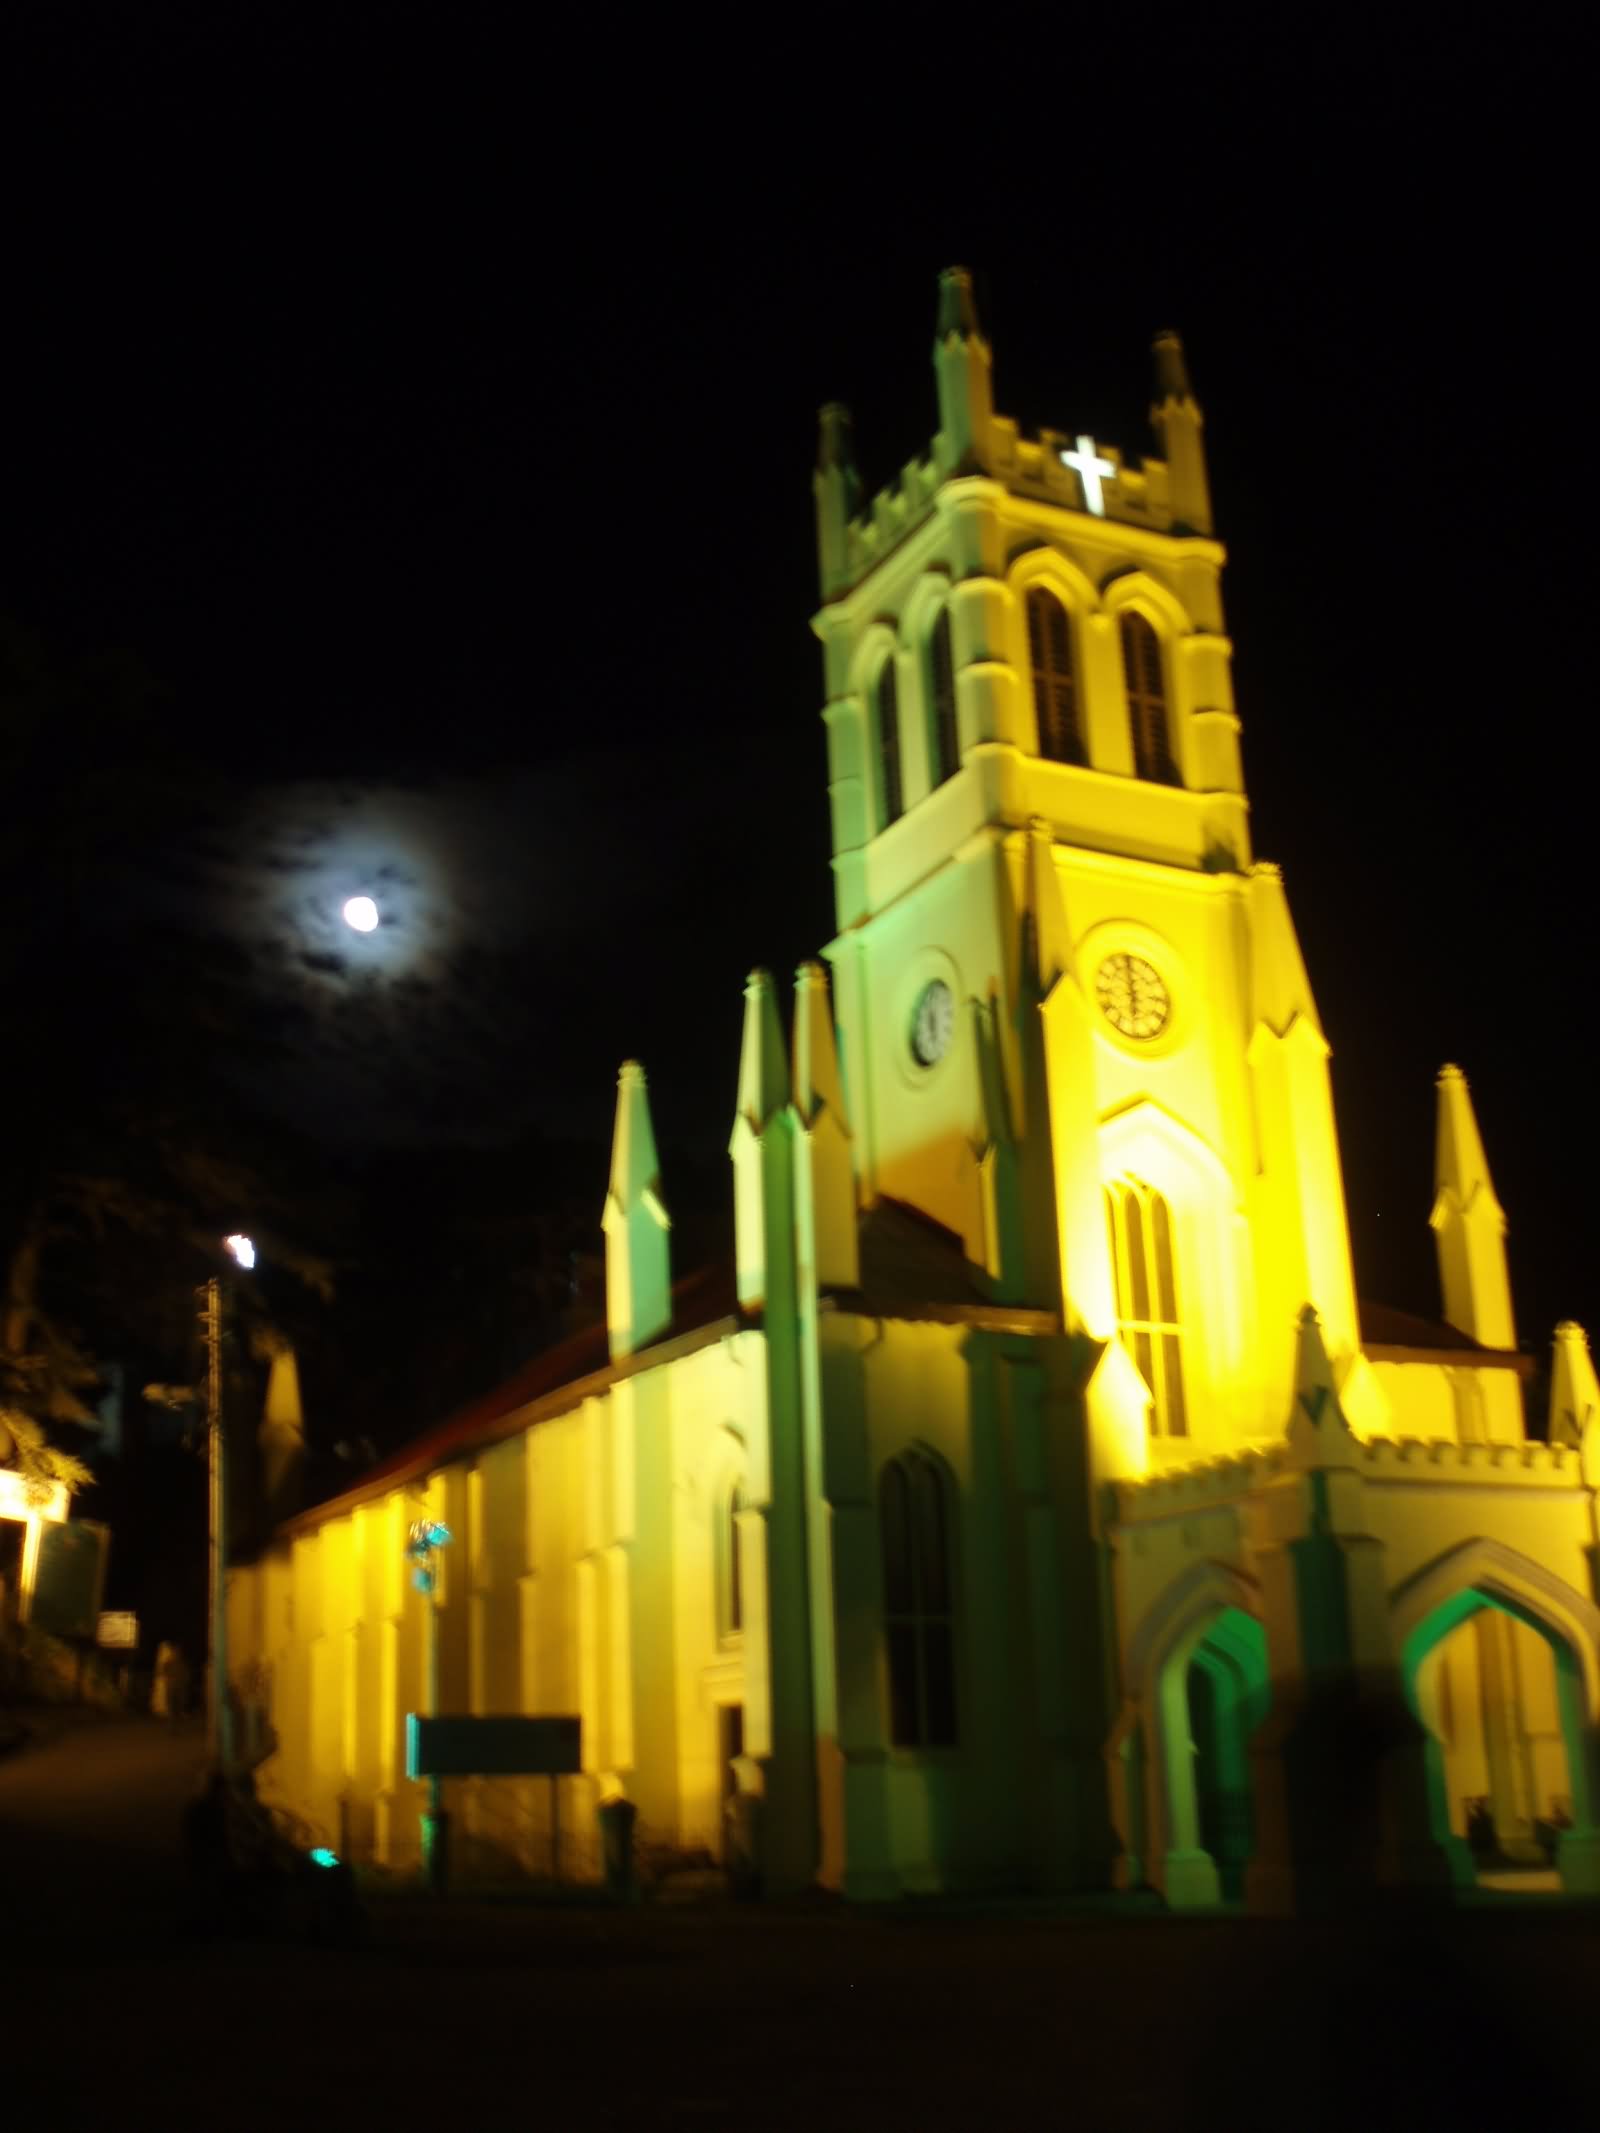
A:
<point x="220" y="1718"/>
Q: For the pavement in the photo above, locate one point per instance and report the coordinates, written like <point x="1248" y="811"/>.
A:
<point x="722" y="2015"/>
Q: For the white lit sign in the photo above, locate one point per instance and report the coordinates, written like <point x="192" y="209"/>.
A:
<point x="1091" y="470"/>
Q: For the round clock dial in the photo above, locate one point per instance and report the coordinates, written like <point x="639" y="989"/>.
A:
<point x="933" y="1023"/>
<point x="1133" y="995"/>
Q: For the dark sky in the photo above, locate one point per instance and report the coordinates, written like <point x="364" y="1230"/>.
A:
<point x="430" y="402"/>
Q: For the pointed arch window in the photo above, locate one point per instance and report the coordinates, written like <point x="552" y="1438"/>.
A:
<point x="886" y="723"/>
<point x="918" y="1603"/>
<point x="944" y="737"/>
<point x="1147" y="700"/>
<point x="1147" y="1298"/>
<point x="1055" y="679"/>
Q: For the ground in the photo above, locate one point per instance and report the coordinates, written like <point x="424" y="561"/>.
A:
<point x="716" y="2016"/>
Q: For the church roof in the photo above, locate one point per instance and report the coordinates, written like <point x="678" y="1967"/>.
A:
<point x="703" y="1304"/>
<point x="911" y="1267"/>
<point x="1391" y="1336"/>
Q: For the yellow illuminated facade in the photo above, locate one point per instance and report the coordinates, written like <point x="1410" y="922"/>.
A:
<point x="1037" y="1506"/>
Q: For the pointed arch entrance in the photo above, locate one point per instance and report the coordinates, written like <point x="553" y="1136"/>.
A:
<point x="1501" y="1662"/>
<point x="1198" y="1687"/>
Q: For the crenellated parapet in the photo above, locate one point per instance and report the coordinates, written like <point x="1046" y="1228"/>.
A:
<point x="1065" y="470"/>
<point x="1206" y="1485"/>
<point x="1441" y="1459"/>
<point x="1220" y="1484"/>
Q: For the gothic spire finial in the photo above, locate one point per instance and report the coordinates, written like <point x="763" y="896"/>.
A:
<point x="958" y="310"/>
<point x="1172" y="372"/>
<point x="763" y="1069"/>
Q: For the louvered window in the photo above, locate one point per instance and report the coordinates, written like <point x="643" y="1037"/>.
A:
<point x="886" y="718"/>
<point x="1147" y="701"/>
<point x="944" y="737"/>
<point x="1055" y="681"/>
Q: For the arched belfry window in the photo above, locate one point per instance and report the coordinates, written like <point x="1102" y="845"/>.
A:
<point x="918" y="1604"/>
<point x="1147" y="700"/>
<point x="944" y="736"/>
<point x="1147" y="1298"/>
<point x="886" y="721"/>
<point x="1055" y="679"/>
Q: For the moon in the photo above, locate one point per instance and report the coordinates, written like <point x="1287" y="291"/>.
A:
<point x="361" y="913"/>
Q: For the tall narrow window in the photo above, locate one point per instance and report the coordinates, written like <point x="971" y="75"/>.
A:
<point x="1055" y="681"/>
<point x="1147" y="700"/>
<point x="917" y="1604"/>
<point x="886" y="717"/>
<point x="1147" y="1298"/>
<point x="730" y="1564"/>
<point x="944" y="738"/>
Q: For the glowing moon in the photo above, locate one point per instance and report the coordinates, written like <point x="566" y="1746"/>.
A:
<point x="361" y="913"/>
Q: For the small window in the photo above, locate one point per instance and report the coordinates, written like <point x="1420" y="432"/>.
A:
<point x="944" y="739"/>
<point x="886" y="720"/>
<point x="1055" y="681"/>
<point x="917" y="1603"/>
<point x="1147" y="1298"/>
<point x="1147" y="701"/>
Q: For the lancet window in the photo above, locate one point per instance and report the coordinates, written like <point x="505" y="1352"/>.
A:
<point x="730" y="1563"/>
<point x="1147" y="1298"/>
<point x="1055" y="680"/>
<point x="886" y="720"/>
<point x="944" y="738"/>
<point x="918" y="1603"/>
<point x="1147" y="700"/>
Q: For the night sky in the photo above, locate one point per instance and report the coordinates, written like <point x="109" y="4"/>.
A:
<point x="431" y="406"/>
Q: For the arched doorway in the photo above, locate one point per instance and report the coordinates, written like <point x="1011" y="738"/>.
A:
<point x="1212" y="1694"/>
<point x="1501" y="1692"/>
<point x="1228" y="1696"/>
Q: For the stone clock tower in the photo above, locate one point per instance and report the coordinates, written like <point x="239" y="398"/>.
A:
<point x="1075" y="1025"/>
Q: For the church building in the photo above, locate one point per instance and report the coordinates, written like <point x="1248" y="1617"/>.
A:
<point x="1032" y="1504"/>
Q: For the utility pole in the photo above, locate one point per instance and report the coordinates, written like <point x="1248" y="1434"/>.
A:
<point x="219" y="1717"/>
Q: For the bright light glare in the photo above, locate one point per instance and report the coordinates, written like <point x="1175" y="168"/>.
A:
<point x="361" y="913"/>
<point x="243" y="1250"/>
<point x="321" y="1856"/>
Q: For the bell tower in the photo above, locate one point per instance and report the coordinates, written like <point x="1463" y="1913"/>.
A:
<point x="1038" y="816"/>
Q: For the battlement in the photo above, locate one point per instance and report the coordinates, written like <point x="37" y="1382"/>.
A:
<point x="1441" y="1459"/>
<point x="1216" y="1483"/>
<point x="1069" y="472"/>
<point x="1209" y="1484"/>
<point x="1027" y="467"/>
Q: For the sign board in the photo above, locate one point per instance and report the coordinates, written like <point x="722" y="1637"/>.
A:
<point x="70" y="1578"/>
<point x="492" y="1747"/>
<point x="118" y="1633"/>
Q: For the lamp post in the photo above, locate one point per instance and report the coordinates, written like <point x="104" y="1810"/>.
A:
<point x="425" y="1538"/>
<point x="219" y="1716"/>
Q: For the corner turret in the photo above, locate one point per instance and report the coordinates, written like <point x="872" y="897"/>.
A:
<point x="837" y="488"/>
<point x="823" y="1145"/>
<point x="961" y="364"/>
<point x="1468" y="1224"/>
<point x="1175" y="417"/>
<point x="758" y="1144"/>
<point x="1574" y="1393"/>
<point x="636" y="1225"/>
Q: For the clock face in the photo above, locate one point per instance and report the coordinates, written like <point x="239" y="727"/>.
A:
<point x="1133" y="995"/>
<point x="933" y="1023"/>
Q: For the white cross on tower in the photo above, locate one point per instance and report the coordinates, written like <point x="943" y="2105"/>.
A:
<point x="1090" y="469"/>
